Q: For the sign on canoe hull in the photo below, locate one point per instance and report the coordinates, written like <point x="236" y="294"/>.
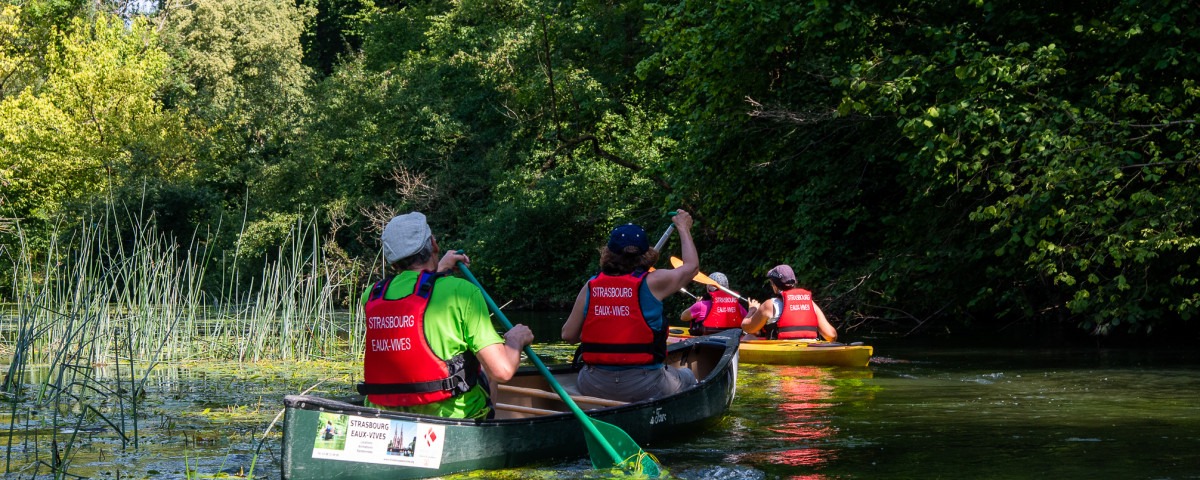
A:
<point x="379" y="440"/>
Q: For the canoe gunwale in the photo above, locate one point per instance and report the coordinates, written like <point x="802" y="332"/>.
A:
<point x="352" y="407"/>
<point x="796" y="352"/>
<point x="489" y="444"/>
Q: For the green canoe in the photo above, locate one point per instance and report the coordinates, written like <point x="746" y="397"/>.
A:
<point x="325" y="438"/>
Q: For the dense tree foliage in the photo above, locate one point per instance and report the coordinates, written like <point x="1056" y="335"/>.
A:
<point x="240" y="77"/>
<point x="998" y="160"/>
<point x="920" y="163"/>
<point x="86" y="119"/>
<point x="498" y="119"/>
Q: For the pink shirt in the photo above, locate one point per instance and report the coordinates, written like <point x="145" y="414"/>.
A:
<point x="700" y="309"/>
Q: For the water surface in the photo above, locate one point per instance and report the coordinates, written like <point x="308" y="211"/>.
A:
<point x="994" y="413"/>
<point x="914" y="413"/>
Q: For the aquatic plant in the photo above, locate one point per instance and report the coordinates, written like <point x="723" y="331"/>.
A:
<point x="114" y="293"/>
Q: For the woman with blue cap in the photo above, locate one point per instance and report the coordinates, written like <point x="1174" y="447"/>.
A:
<point x="618" y="317"/>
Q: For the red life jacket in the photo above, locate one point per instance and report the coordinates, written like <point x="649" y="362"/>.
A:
<point x="615" y="331"/>
<point x="798" y="318"/>
<point x="399" y="367"/>
<point x="724" y="313"/>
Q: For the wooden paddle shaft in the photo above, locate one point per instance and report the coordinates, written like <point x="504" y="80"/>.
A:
<point x="726" y="290"/>
<point x="705" y="279"/>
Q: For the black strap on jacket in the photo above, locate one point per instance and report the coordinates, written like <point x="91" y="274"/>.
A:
<point x="464" y="374"/>
<point x="619" y="348"/>
<point x="424" y="290"/>
<point x="380" y="288"/>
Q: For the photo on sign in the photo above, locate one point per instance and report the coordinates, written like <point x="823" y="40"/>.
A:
<point x="331" y="434"/>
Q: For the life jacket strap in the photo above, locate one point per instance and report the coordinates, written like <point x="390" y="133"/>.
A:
<point x="616" y="348"/>
<point x="464" y="375"/>
<point x="380" y="288"/>
<point x="656" y="353"/>
<point x="424" y="285"/>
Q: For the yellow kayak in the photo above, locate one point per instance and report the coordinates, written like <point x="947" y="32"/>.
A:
<point x="796" y="352"/>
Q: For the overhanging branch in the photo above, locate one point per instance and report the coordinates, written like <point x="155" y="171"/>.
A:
<point x="569" y="145"/>
<point x="778" y="114"/>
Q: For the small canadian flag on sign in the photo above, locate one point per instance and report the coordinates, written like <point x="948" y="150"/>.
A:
<point x="430" y="437"/>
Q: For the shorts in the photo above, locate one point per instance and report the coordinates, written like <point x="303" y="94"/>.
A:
<point x="634" y="384"/>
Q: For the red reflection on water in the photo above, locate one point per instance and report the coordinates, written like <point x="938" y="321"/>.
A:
<point x="804" y="399"/>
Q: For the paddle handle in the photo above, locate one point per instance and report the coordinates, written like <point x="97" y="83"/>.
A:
<point x="666" y="234"/>
<point x="566" y="397"/>
<point x="663" y="239"/>
<point x="731" y="292"/>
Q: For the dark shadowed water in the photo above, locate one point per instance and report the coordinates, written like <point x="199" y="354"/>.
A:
<point x="914" y="413"/>
<point x="961" y="414"/>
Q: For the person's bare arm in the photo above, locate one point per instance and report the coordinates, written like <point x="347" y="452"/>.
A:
<point x="573" y="328"/>
<point x="757" y="317"/>
<point x="663" y="283"/>
<point x="500" y="360"/>
<point x="824" y="326"/>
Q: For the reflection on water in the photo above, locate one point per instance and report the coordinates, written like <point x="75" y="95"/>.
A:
<point x="803" y="400"/>
<point x="941" y="413"/>
<point x="914" y="413"/>
<point x="798" y="435"/>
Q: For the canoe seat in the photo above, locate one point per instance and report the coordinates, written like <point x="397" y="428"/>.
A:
<point x="523" y="409"/>
<point x="581" y="399"/>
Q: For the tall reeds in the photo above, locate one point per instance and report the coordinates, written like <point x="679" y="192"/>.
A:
<point x="291" y="311"/>
<point x="125" y="299"/>
<point x="95" y="298"/>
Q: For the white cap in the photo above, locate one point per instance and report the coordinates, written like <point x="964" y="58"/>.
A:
<point x="405" y="235"/>
<point x="720" y="279"/>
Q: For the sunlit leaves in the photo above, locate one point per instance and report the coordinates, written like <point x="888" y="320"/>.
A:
<point x="963" y="160"/>
<point x="93" y="122"/>
<point x="15" y="55"/>
<point x="242" y="64"/>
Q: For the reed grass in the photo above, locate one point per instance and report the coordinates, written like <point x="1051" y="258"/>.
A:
<point x="95" y="298"/>
<point x="103" y="296"/>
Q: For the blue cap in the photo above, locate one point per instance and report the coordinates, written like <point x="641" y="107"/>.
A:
<point x="628" y="235"/>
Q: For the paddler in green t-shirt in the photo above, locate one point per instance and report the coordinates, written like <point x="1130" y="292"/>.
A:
<point x="427" y="344"/>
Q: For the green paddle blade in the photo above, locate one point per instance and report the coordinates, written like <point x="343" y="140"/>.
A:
<point x="625" y="454"/>
<point x="635" y="461"/>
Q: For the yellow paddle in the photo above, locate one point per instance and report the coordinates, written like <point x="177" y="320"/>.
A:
<point x="702" y="278"/>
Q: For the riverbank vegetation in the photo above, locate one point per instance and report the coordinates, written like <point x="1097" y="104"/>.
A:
<point x="206" y="181"/>
<point x="925" y="167"/>
<point x="94" y="326"/>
